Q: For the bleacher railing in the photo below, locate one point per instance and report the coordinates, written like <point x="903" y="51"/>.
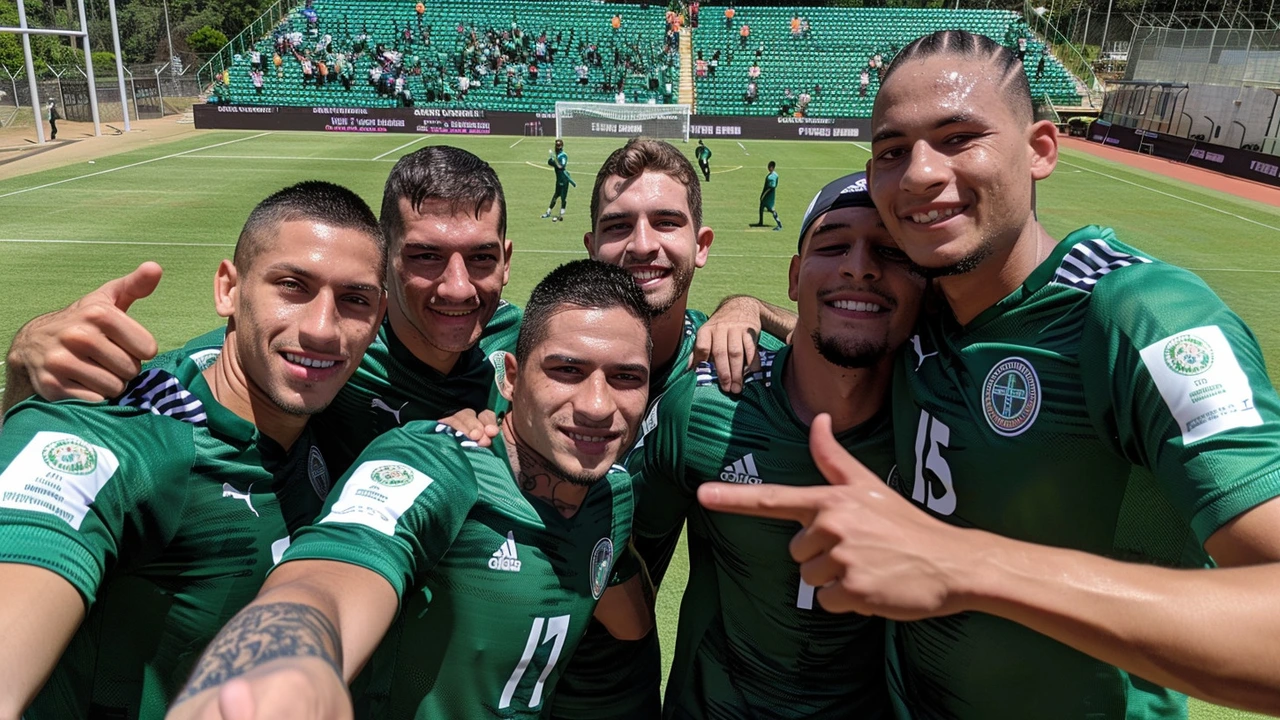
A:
<point x="1065" y="51"/>
<point x="255" y="31"/>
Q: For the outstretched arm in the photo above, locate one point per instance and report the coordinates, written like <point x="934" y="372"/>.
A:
<point x="39" y="613"/>
<point x="1208" y="633"/>
<point x="310" y="630"/>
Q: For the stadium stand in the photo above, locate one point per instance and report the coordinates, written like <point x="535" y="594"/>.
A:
<point x="837" y="46"/>
<point x="810" y="56"/>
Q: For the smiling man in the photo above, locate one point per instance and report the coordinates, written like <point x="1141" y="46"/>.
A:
<point x="499" y="555"/>
<point x="132" y="529"/>
<point x="752" y="642"/>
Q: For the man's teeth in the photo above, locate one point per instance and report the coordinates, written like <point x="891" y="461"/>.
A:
<point x="643" y="275"/>
<point x="455" y="313"/>
<point x="856" y="306"/>
<point x="308" y="362"/>
<point x="933" y="215"/>
<point x="588" y="438"/>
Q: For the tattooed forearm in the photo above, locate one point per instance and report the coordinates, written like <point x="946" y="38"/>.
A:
<point x="260" y="634"/>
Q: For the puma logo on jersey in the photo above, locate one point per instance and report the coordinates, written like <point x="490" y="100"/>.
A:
<point x="505" y="558"/>
<point x="742" y="471"/>
<point x="395" y="412"/>
<point x="920" y="353"/>
<point x="230" y="492"/>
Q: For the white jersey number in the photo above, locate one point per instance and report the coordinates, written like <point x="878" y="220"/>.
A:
<point x="932" y="435"/>
<point x="557" y="629"/>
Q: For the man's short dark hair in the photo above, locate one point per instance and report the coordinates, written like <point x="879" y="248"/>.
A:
<point x="772" y="164"/>
<point x="442" y="173"/>
<point x="315" y="200"/>
<point x="642" y="155"/>
<point x="580" y="284"/>
<point x="964" y="44"/>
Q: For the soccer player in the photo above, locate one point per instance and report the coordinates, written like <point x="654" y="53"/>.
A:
<point x="445" y="219"/>
<point x="703" y="154"/>
<point x="1076" y="412"/>
<point x="768" y="196"/>
<point x="559" y="161"/>
<point x="499" y="555"/>
<point x="132" y="529"/>
<point x="751" y="641"/>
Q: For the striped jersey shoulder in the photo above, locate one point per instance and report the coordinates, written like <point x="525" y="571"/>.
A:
<point x="160" y="393"/>
<point x="1089" y="261"/>
<point x="463" y="440"/>
<point x="707" y="374"/>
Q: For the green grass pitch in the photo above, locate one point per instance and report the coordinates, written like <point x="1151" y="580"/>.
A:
<point x="65" y="231"/>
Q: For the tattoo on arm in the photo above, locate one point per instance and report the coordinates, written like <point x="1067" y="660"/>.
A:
<point x="260" y="634"/>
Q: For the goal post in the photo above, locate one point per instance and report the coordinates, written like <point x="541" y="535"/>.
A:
<point x="621" y="120"/>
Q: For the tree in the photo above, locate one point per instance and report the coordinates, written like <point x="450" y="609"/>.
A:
<point x="206" y="40"/>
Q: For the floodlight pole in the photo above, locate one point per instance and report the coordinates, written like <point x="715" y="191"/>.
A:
<point x="31" y="73"/>
<point x="115" y="38"/>
<point x="88" y="66"/>
<point x="158" y="90"/>
<point x="1106" y="25"/>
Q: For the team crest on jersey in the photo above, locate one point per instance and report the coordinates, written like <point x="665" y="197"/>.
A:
<point x="318" y="471"/>
<point x="1011" y="396"/>
<point x="498" y="359"/>
<point x="1188" y="355"/>
<point x="70" y="456"/>
<point x="601" y="565"/>
<point x="392" y="475"/>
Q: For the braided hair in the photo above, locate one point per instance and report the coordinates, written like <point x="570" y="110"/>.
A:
<point x="964" y="44"/>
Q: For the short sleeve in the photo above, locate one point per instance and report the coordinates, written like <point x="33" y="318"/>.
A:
<point x="656" y="462"/>
<point x="79" y="495"/>
<point x="1179" y="381"/>
<point x="398" y="509"/>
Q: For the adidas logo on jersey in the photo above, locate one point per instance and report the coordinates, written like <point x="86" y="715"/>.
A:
<point x="504" y="558"/>
<point x="742" y="471"/>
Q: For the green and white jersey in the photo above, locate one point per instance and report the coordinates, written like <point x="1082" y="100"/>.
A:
<point x="622" y="679"/>
<point x="561" y="164"/>
<point x="496" y="587"/>
<point x="752" y="641"/>
<point x="1112" y="404"/>
<point x="392" y="387"/>
<point x="165" y="510"/>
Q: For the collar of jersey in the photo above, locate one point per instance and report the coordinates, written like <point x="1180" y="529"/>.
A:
<point x="467" y="360"/>
<point x="1038" y="279"/>
<point x="221" y="420"/>
<point x="777" y="394"/>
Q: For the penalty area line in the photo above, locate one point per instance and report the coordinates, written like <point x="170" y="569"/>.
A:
<point x="418" y="140"/>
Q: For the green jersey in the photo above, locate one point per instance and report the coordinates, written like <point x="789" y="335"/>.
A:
<point x="1112" y="404"/>
<point x="560" y="161"/>
<point x="165" y="510"/>
<point x="770" y="186"/>
<point x="392" y="386"/>
<point x="617" y="678"/>
<point x="751" y="641"/>
<point x="703" y="154"/>
<point x="496" y="586"/>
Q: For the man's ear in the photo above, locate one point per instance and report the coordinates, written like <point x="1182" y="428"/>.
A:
<point x="510" y="369"/>
<point x="793" y="279"/>
<point x="1043" y="139"/>
<point x="226" y="289"/>
<point x="705" y="237"/>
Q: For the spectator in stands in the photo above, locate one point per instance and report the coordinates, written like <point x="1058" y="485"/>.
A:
<point x="744" y="35"/>
<point x="753" y="72"/>
<point x="817" y="89"/>
<point x="752" y="94"/>
<point x="419" y="9"/>
<point x="255" y="59"/>
<point x="713" y="64"/>
<point x="255" y="76"/>
<point x="615" y="22"/>
<point x="464" y="86"/>
<point x="308" y="67"/>
<point x="802" y="103"/>
<point x="1040" y="67"/>
<point x="729" y="12"/>
<point x="864" y="80"/>
<point x="375" y="77"/>
<point x="582" y="72"/>
<point x="279" y="63"/>
<point x="804" y="28"/>
<point x="519" y="86"/>
<point x="621" y="97"/>
<point x="795" y="27"/>
<point x="1022" y="47"/>
<point x="533" y="73"/>
<point x="694" y="8"/>
<point x="700" y="66"/>
<point x="322" y="73"/>
<point x="346" y="75"/>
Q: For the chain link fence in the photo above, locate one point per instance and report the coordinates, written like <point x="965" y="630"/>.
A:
<point x="150" y="94"/>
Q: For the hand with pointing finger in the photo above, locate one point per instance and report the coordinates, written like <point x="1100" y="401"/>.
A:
<point x="87" y="351"/>
<point x="865" y="547"/>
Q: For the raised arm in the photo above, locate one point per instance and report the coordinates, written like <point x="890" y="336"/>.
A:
<point x="312" y="627"/>
<point x="731" y="336"/>
<point x="39" y="613"/>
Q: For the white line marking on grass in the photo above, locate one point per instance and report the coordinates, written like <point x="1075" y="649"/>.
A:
<point x="281" y="157"/>
<point x="530" y="164"/>
<point x="516" y="143"/>
<point x="862" y="146"/>
<point x="132" y="165"/>
<point x="418" y="140"/>
<point x="112" y="242"/>
<point x="1234" y="270"/>
<point x="1161" y="192"/>
<point x="744" y="149"/>
<point x="735" y="167"/>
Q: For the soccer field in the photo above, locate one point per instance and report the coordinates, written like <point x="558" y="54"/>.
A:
<point x="64" y="231"/>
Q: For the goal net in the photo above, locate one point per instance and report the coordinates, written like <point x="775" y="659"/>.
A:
<point x="582" y="119"/>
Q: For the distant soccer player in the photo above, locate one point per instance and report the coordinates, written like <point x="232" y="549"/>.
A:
<point x="703" y="154"/>
<point x="506" y="551"/>
<point x="768" y="196"/>
<point x="560" y="162"/>
<point x="752" y="642"/>
<point x="132" y="529"/>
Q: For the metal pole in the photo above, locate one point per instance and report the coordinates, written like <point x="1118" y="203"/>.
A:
<point x="115" y="39"/>
<point x="88" y="66"/>
<point x="1106" y="26"/>
<point x="168" y="33"/>
<point x="133" y="93"/>
<point x="31" y="73"/>
<point x="1084" y="39"/>
<point x="160" y="92"/>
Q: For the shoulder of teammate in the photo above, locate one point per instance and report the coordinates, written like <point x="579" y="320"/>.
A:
<point x="203" y="349"/>
<point x="1179" y="380"/>
<point x="398" y="509"/>
<point x="502" y="329"/>
<point x="79" y="480"/>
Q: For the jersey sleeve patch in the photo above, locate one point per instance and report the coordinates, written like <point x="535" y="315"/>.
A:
<point x="377" y="494"/>
<point x="1201" y="382"/>
<point x="58" y="474"/>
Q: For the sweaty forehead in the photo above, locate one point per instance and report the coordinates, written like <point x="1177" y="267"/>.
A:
<point x="925" y="91"/>
<point x="594" y="335"/>
<point x="647" y="191"/>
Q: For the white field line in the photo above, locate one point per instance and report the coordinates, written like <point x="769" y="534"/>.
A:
<point x="515" y="143"/>
<point x="1170" y="195"/>
<point x="417" y="140"/>
<point x="726" y="170"/>
<point x="132" y="165"/>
